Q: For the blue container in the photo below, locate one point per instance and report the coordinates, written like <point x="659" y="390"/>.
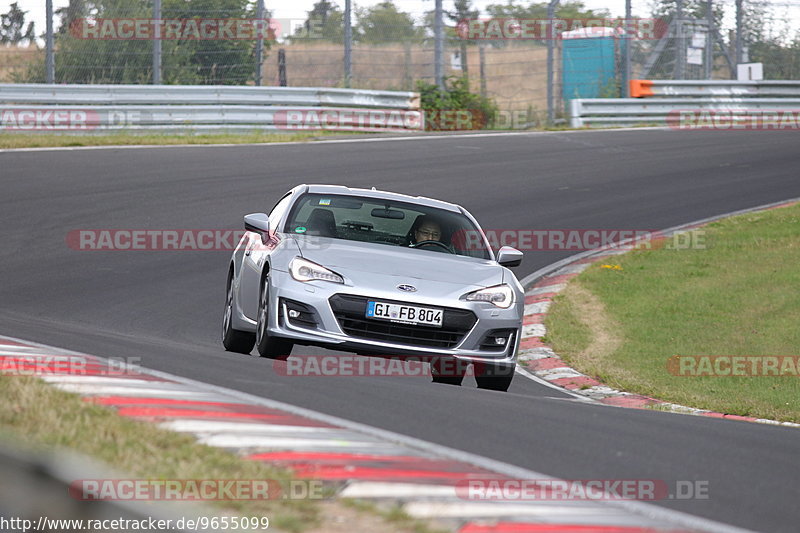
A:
<point x="588" y="67"/>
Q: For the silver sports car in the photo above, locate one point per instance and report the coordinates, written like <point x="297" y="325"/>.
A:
<point x="375" y="273"/>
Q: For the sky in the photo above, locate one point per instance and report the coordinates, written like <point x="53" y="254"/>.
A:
<point x="782" y="10"/>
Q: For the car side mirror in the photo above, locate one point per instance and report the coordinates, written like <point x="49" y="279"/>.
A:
<point x="258" y="223"/>
<point x="509" y="257"/>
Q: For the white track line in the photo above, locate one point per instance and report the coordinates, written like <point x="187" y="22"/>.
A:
<point x="331" y="141"/>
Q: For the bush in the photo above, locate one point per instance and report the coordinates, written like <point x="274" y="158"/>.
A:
<point x="455" y="108"/>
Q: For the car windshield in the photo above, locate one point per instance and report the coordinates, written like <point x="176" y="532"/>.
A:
<point x="386" y="222"/>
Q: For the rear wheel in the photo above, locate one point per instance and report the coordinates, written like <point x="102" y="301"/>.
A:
<point x="448" y="370"/>
<point x="494" y="377"/>
<point x="267" y="346"/>
<point x="232" y="339"/>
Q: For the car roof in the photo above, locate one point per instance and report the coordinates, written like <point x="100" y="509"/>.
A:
<point x="383" y="195"/>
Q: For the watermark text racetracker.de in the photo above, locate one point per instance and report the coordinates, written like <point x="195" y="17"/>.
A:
<point x="734" y="365"/>
<point x="22" y="365"/>
<point x="20" y="119"/>
<point x="734" y="119"/>
<point x="154" y="239"/>
<point x="97" y="525"/>
<point x="349" y="119"/>
<point x="197" y="489"/>
<point x="409" y="366"/>
<point x="518" y="29"/>
<point x="578" y="239"/>
<point x="463" y="240"/>
<point x="194" y="29"/>
<point x="505" y="489"/>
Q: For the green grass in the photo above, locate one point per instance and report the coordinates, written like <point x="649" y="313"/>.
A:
<point x="20" y="140"/>
<point x="37" y="416"/>
<point x="738" y="296"/>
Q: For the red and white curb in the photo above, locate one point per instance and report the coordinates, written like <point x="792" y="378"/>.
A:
<point x="358" y="461"/>
<point x="543" y="363"/>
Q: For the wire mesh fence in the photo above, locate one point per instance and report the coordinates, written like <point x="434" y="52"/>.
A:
<point x="241" y="42"/>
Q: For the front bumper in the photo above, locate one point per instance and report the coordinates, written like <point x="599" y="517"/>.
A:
<point x="318" y="324"/>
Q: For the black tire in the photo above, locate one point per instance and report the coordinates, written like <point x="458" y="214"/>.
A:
<point x="494" y="377"/>
<point x="448" y="371"/>
<point x="269" y="347"/>
<point x="232" y="339"/>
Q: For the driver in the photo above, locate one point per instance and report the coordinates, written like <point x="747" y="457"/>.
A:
<point x="428" y="229"/>
<point x="427" y="232"/>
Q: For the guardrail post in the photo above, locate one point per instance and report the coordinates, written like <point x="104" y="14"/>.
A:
<point x="575" y="109"/>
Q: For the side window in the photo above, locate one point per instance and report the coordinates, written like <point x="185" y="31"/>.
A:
<point x="279" y="210"/>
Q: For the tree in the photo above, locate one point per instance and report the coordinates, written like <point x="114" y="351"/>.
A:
<point x="325" y="21"/>
<point x="71" y="13"/>
<point x="184" y="61"/>
<point x="12" y="24"/>
<point x="781" y="60"/>
<point x="383" y="23"/>
<point x="538" y="10"/>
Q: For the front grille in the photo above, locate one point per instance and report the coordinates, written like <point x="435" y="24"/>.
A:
<point x="350" y="311"/>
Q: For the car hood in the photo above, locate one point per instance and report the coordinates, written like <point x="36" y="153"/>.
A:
<point x="401" y="265"/>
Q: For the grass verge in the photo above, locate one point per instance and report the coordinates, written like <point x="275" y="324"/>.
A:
<point x="39" y="416"/>
<point x="734" y="292"/>
<point x="13" y="140"/>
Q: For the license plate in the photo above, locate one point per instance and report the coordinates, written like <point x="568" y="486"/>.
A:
<point x="406" y="314"/>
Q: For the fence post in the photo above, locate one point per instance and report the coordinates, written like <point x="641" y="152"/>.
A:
<point x="680" y="52"/>
<point x="438" y="49"/>
<point x="551" y="11"/>
<point x="157" y="42"/>
<point x="260" y="42"/>
<point x="282" y="67"/>
<point x="50" y="64"/>
<point x="482" y="55"/>
<point x="408" y="78"/>
<point x="739" y="37"/>
<point x="709" y="67"/>
<point x="628" y="38"/>
<point x="348" y="44"/>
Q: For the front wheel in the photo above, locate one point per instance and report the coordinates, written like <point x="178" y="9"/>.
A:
<point x="267" y="346"/>
<point x="494" y="377"/>
<point x="232" y="339"/>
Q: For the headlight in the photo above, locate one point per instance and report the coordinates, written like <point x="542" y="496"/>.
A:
<point x="500" y="295"/>
<point x="305" y="270"/>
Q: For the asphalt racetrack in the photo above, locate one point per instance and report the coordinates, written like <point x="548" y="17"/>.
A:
<point x="165" y="307"/>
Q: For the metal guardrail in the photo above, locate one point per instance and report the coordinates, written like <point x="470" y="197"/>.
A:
<point x="204" y="94"/>
<point x="715" y="88"/>
<point x="90" y="108"/>
<point x="634" y="111"/>
<point x="659" y="102"/>
<point x="205" y="117"/>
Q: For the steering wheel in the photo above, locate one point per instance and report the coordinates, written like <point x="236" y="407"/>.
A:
<point x="421" y="244"/>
